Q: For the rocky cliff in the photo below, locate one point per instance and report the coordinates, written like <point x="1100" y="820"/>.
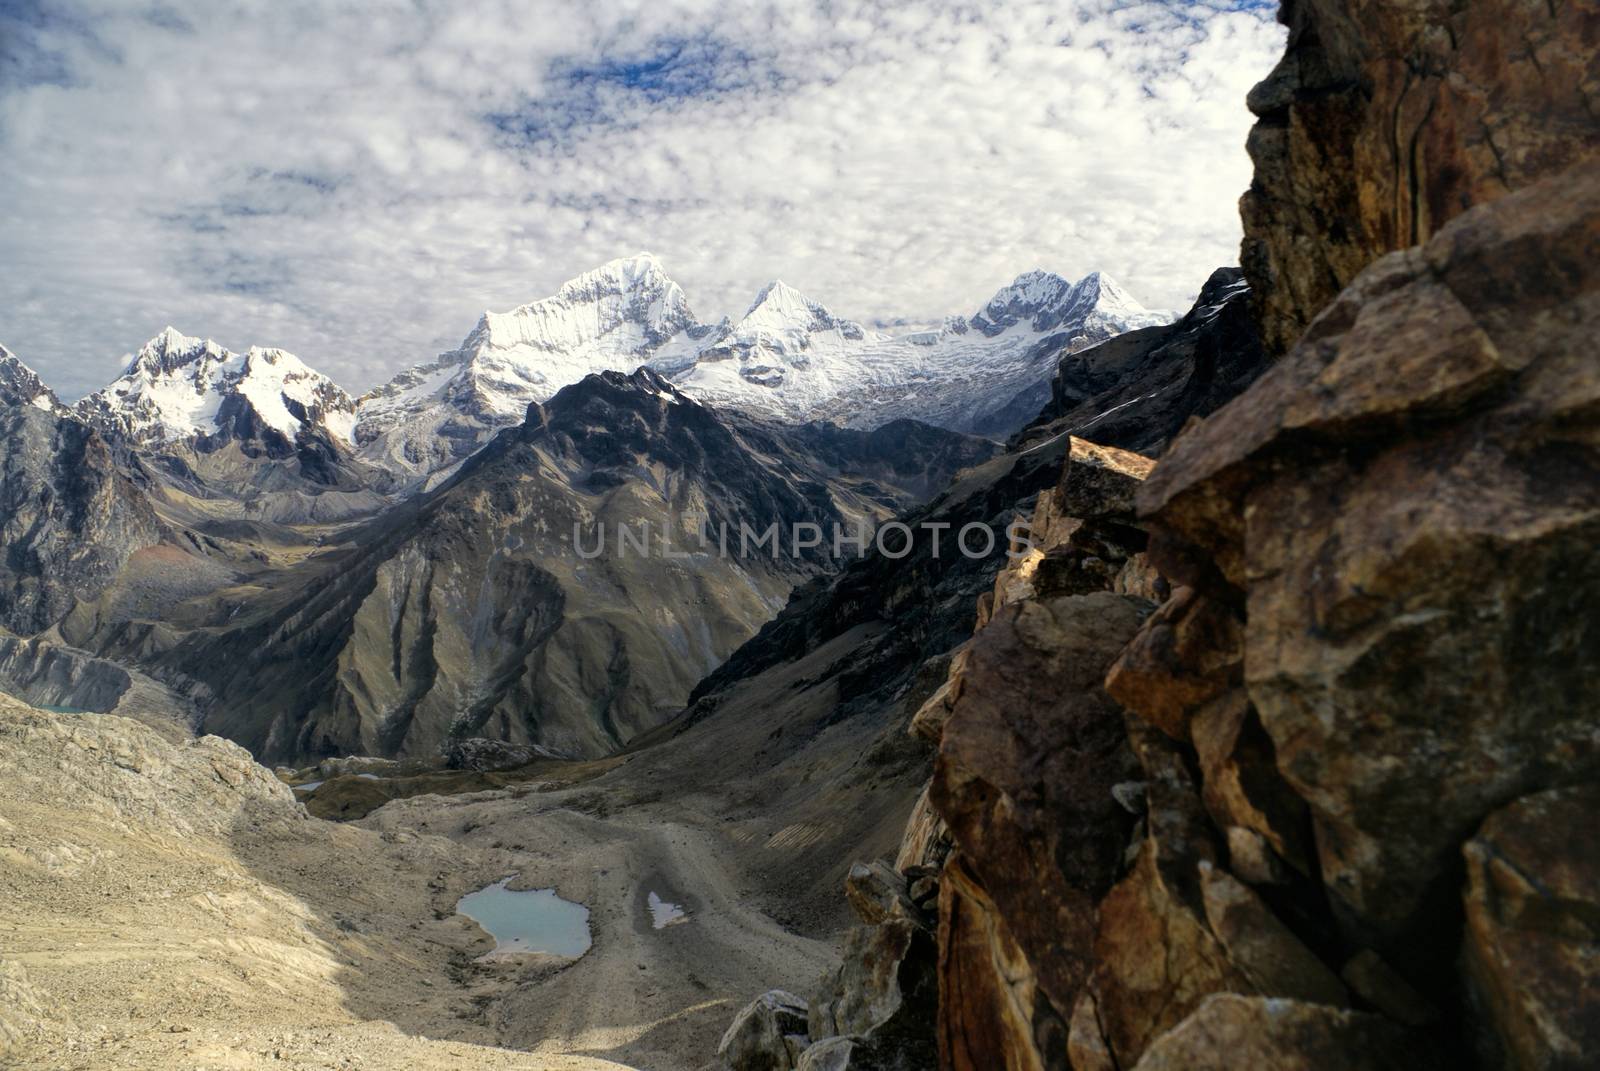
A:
<point x="1386" y="120"/>
<point x="1281" y="752"/>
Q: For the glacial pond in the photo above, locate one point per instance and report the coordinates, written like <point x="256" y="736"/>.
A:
<point x="533" y="921"/>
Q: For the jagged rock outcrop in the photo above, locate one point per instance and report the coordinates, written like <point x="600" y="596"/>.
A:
<point x="21" y="385"/>
<point x="1385" y="120"/>
<point x="1397" y="501"/>
<point x="1361" y="723"/>
<point x="1024" y="777"/>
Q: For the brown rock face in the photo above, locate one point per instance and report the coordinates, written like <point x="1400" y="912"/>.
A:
<point x="1229" y="1032"/>
<point x="1024" y="776"/>
<point x="1533" y="928"/>
<point x="1189" y="652"/>
<point x="1388" y="118"/>
<point x="989" y="1005"/>
<point x="1411" y="501"/>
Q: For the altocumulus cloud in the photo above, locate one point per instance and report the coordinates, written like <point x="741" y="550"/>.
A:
<point x="356" y="182"/>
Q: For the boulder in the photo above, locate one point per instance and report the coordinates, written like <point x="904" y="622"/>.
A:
<point x="877" y="892"/>
<point x="1375" y="982"/>
<point x="926" y="841"/>
<point x="1242" y="787"/>
<point x="862" y="1054"/>
<point x="1155" y="957"/>
<point x="1156" y="960"/>
<point x="885" y="986"/>
<point x="1533" y="928"/>
<point x="768" y="1035"/>
<point x="1277" y="963"/>
<point x="1227" y="1032"/>
<point x="1098" y="482"/>
<point x="1412" y="500"/>
<point x="830" y="1054"/>
<point x="1086" y="1043"/>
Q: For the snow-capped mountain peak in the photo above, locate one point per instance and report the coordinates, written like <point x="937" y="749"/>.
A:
<point x="787" y="358"/>
<point x="624" y="305"/>
<point x="179" y="389"/>
<point x="172" y="350"/>
<point x="615" y="317"/>
<point x="20" y="385"/>
<point x="1029" y="295"/>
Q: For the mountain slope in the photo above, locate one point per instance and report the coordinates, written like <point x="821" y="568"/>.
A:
<point x="69" y="518"/>
<point x="20" y="385"/>
<point x="1137" y="390"/>
<point x="480" y="609"/>
<point x="787" y="359"/>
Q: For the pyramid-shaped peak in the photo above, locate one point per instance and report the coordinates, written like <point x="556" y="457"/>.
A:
<point x="1101" y="291"/>
<point x="779" y="296"/>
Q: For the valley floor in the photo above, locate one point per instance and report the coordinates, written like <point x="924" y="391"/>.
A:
<point x="170" y="905"/>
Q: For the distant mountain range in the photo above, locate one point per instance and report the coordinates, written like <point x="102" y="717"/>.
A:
<point x="788" y="359"/>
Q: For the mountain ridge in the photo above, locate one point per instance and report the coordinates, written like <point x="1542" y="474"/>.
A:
<point x="787" y="358"/>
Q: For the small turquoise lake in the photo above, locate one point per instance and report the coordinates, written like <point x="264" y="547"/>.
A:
<point x="533" y="921"/>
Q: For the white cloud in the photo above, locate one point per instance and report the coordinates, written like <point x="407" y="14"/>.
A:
<point x="357" y="183"/>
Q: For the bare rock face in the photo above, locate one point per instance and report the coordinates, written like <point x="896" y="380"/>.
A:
<point x="1230" y="1031"/>
<point x="990" y="1001"/>
<point x="485" y="755"/>
<point x="201" y="786"/>
<point x="1189" y="652"/>
<point x="1137" y="390"/>
<point x="877" y="892"/>
<point x="69" y="519"/>
<point x="1265" y="950"/>
<point x="1533" y="928"/>
<point x="1387" y="119"/>
<point x="1411" y="501"/>
<point x="1025" y="772"/>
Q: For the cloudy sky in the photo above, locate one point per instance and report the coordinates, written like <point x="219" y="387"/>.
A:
<point x="357" y="182"/>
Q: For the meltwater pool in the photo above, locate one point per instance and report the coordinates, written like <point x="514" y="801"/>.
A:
<point x="533" y="921"/>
